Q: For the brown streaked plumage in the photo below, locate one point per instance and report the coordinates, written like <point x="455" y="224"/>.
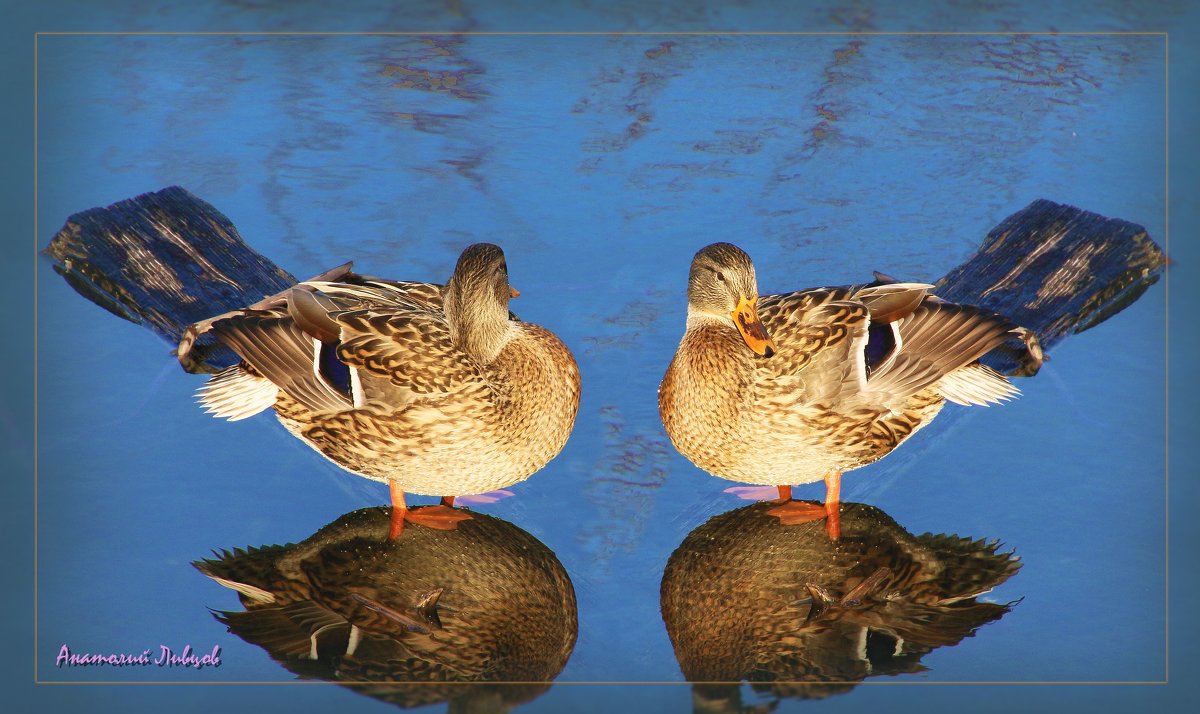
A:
<point x="820" y="381"/>
<point x="347" y="605"/>
<point x="433" y="389"/>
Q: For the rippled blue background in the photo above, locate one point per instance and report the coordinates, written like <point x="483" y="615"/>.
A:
<point x="601" y="163"/>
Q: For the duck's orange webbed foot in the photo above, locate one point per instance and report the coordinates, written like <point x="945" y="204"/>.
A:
<point x="792" y="513"/>
<point x="440" y="517"/>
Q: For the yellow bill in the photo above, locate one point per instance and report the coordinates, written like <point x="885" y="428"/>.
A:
<point x="745" y="316"/>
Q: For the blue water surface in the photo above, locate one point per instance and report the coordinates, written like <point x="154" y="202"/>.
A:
<point x="600" y="164"/>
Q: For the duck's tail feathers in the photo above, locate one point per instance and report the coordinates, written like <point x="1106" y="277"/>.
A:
<point x="976" y="385"/>
<point x="235" y="393"/>
<point x="250" y="571"/>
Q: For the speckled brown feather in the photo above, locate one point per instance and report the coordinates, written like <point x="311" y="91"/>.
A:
<point x="413" y="350"/>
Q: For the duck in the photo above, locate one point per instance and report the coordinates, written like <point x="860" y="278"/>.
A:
<point x="799" y="387"/>
<point x="433" y="389"/>
<point x="349" y="605"/>
<point x="818" y="616"/>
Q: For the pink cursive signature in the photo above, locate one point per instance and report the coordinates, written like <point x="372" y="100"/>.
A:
<point x="166" y="658"/>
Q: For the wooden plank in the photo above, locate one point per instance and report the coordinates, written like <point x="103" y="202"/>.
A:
<point x="1056" y="270"/>
<point x="164" y="260"/>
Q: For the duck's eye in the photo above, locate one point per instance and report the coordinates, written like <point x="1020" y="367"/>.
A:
<point x="720" y="276"/>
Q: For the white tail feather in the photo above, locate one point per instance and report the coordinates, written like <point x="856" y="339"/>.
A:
<point x="976" y="385"/>
<point x="257" y="594"/>
<point x="235" y="394"/>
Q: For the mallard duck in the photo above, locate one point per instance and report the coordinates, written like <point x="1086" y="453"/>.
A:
<point x="813" y="616"/>
<point x="800" y="387"/>
<point x="346" y="605"/>
<point x="433" y="389"/>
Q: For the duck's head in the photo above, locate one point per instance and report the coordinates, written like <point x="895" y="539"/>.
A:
<point x="722" y="286"/>
<point x="476" y="301"/>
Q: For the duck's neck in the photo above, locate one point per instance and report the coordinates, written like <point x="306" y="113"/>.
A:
<point x="697" y="319"/>
<point x="480" y="328"/>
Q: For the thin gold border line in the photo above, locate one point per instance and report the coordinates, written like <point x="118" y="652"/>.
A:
<point x="1167" y="353"/>
<point x="36" y="401"/>
<point x="784" y="33"/>
<point x="1167" y="283"/>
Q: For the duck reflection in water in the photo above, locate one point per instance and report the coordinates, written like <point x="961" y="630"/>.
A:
<point x="418" y="620"/>
<point x="797" y="614"/>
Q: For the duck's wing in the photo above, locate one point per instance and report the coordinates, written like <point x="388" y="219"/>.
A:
<point x="935" y="343"/>
<point x="881" y="344"/>
<point x="824" y="336"/>
<point x="275" y="347"/>
<point x="391" y="336"/>
<point x="368" y="291"/>
<point x="339" y="345"/>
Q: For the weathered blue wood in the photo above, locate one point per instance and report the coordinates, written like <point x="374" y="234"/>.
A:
<point x="164" y="260"/>
<point x="1056" y="270"/>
